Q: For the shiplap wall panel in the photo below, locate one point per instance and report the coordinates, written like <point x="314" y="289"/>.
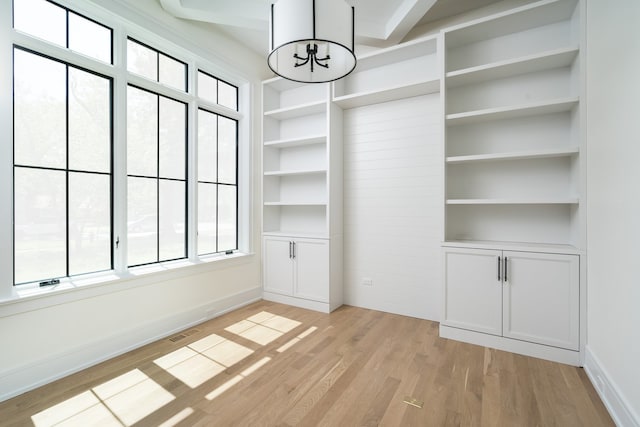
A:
<point x="393" y="176"/>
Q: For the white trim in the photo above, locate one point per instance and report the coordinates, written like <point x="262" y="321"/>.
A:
<point x="555" y="354"/>
<point x="615" y="402"/>
<point x="91" y="286"/>
<point x="21" y="379"/>
<point x="297" y="302"/>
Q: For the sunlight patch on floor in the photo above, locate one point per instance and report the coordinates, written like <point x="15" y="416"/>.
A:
<point x="295" y="340"/>
<point x="123" y="400"/>
<point x="177" y="418"/>
<point x="235" y="380"/>
<point x="263" y="327"/>
<point x="202" y="360"/>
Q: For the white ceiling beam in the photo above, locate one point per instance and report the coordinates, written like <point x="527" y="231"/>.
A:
<point x="405" y="18"/>
<point x="252" y="14"/>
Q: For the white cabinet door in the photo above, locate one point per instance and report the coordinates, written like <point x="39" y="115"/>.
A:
<point x="473" y="290"/>
<point x="541" y="298"/>
<point x="278" y="265"/>
<point x="311" y="265"/>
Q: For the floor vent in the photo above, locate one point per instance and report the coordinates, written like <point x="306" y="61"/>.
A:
<point x="183" y="335"/>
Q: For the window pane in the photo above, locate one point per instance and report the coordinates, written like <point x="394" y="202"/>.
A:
<point x="227" y="95"/>
<point x="173" y="73"/>
<point x="173" y="138"/>
<point x="172" y="220"/>
<point x="207" y="146"/>
<point x="89" y="121"/>
<point x="89" y="223"/>
<point x="206" y="218"/>
<point x="41" y="19"/>
<point x="207" y="87"/>
<point x="89" y="38"/>
<point x="40" y="225"/>
<point x="142" y="220"/>
<point x="227" y="136"/>
<point x="142" y="60"/>
<point x="142" y="132"/>
<point x="39" y="111"/>
<point x="226" y="217"/>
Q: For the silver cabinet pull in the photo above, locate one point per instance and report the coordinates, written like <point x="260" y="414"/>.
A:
<point x="290" y="249"/>
<point x="294" y="250"/>
<point x="505" y="269"/>
<point x="499" y="268"/>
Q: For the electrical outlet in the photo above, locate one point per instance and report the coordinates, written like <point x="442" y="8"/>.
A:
<point x="367" y="281"/>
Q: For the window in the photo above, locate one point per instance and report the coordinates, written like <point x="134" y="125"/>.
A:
<point x="157" y="177"/>
<point x="62" y="169"/>
<point x="217" y="183"/>
<point x="55" y="24"/>
<point x="156" y="66"/>
<point x="217" y="91"/>
<point x="100" y="153"/>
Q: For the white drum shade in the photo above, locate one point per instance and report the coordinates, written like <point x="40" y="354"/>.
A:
<point x="316" y="35"/>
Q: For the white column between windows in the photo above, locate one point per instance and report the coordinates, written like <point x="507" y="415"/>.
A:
<point x="6" y="152"/>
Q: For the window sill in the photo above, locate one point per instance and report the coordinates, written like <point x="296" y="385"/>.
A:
<point x="32" y="297"/>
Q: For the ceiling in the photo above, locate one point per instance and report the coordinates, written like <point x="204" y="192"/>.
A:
<point x="379" y="23"/>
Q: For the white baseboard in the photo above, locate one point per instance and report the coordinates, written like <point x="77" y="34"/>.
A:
<point x="24" y="378"/>
<point x="568" y="357"/>
<point x="618" y="407"/>
<point x="297" y="302"/>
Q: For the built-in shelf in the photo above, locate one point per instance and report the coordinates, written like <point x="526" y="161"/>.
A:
<point x="296" y="142"/>
<point x="527" y="64"/>
<point x="388" y="94"/>
<point x="297" y="111"/>
<point x="520" y="155"/>
<point x="296" y="172"/>
<point x="397" y="53"/>
<point x="512" y="21"/>
<point x="499" y="113"/>
<point x="514" y="246"/>
<point x="317" y="203"/>
<point x="297" y="233"/>
<point x="511" y="201"/>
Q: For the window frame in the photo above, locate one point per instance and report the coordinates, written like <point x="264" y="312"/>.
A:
<point x="218" y="183"/>
<point x="171" y="45"/>
<point x="158" y="178"/>
<point x="66" y="169"/>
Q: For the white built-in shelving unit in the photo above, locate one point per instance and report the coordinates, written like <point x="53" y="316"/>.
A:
<point x="302" y="195"/>
<point x="402" y="71"/>
<point x="514" y="180"/>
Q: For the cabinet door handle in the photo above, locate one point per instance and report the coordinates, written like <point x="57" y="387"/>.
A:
<point x="294" y="250"/>
<point x="505" y="269"/>
<point x="290" y="250"/>
<point x="499" y="268"/>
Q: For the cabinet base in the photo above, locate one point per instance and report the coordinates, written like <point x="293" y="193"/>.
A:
<point x="553" y="354"/>
<point x="298" y="302"/>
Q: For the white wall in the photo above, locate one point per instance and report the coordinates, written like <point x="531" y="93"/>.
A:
<point x="47" y="337"/>
<point x="613" y="200"/>
<point x="393" y="177"/>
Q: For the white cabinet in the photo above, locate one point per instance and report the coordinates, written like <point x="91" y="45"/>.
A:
<point x="473" y="292"/>
<point x="302" y="195"/>
<point x="513" y="119"/>
<point x="297" y="271"/>
<point x="297" y="267"/>
<point x="526" y="296"/>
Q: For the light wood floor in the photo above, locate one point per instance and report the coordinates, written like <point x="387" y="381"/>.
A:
<point x="258" y="366"/>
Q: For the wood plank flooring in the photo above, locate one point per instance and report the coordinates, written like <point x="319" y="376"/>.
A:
<point x="268" y="364"/>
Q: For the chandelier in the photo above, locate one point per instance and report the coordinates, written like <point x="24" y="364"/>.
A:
<point x="311" y="41"/>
